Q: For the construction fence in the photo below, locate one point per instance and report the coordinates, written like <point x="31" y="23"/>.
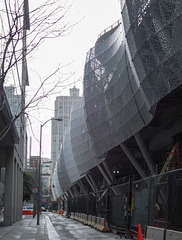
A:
<point x="154" y="201"/>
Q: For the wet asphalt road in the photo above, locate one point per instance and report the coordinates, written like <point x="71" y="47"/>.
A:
<point x="69" y="229"/>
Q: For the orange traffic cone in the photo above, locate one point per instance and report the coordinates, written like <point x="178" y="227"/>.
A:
<point x="140" y="236"/>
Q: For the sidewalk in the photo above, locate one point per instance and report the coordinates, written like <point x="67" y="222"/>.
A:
<point x="27" y="229"/>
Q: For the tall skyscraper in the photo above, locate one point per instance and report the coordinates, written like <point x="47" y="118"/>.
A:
<point x="62" y="110"/>
<point x="15" y="103"/>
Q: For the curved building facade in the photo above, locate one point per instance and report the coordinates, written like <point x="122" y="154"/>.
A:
<point x="115" y="103"/>
<point x="130" y="114"/>
<point x="153" y="33"/>
<point x="84" y="153"/>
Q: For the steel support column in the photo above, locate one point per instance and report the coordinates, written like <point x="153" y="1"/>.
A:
<point x="104" y="174"/>
<point x="72" y="195"/>
<point x="109" y="172"/>
<point x="82" y="186"/>
<point x="90" y="183"/>
<point x="107" y="178"/>
<point x="144" y="151"/>
<point x="132" y="160"/>
<point x="75" y="190"/>
<point x="93" y="182"/>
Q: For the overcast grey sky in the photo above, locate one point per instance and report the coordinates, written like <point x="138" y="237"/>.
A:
<point x="96" y="15"/>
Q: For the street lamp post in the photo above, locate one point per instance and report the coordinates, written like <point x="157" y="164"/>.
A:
<point x="39" y="173"/>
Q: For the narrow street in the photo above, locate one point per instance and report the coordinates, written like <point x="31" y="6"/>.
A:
<point x="69" y="229"/>
<point x="52" y="227"/>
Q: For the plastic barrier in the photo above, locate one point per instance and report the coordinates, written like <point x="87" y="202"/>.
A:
<point x="107" y="225"/>
<point x="81" y="218"/>
<point x="89" y="221"/>
<point x="102" y="224"/>
<point x="72" y="215"/>
<point x="93" y="221"/>
<point x="60" y="211"/>
<point x="27" y="212"/>
<point x="85" y="219"/>
<point x="76" y="216"/>
<point x="97" y="223"/>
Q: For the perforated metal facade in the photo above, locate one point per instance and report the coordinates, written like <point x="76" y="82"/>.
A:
<point x="153" y="32"/>
<point x="83" y="150"/>
<point x="128" y="71"/>
<point x="115" y="104"/>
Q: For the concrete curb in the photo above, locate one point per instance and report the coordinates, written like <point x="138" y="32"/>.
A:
<point x="52" y="234"/>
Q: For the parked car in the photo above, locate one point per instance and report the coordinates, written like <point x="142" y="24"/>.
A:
<point x="43" y="209"/>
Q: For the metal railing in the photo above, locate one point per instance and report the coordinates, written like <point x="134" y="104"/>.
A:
<point x="109" y="28"/>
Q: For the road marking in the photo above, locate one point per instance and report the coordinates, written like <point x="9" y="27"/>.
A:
<point x="52" y="234"/>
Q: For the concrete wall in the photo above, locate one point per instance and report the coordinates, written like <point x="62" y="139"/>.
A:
<point x="154" y="233"/>
<point x="13" y="196"/>
<point x="173" y="235"/>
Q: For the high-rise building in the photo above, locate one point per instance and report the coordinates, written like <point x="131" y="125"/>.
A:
<point x="33" y="163"/>
<point x="45" y="179"/>
<point x="32" y="168"/>
<point x="15" y="104"/>
<point x="62" y="110"/>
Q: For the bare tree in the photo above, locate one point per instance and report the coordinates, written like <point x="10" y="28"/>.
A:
<point x="23" y="30"/>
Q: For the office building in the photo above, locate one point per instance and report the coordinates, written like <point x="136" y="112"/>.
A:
<point x="62" y="109"/>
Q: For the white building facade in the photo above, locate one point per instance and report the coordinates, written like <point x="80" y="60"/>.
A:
<point x="62" y="110"/>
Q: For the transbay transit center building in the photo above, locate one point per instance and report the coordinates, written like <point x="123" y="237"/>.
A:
<point x="121" y="155"/>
